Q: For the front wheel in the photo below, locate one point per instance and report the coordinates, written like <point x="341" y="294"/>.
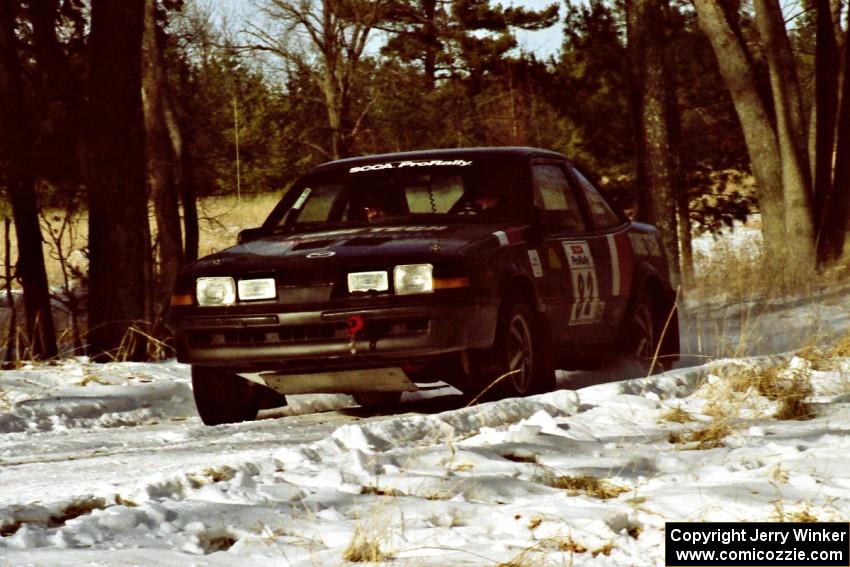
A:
<point x="222" y="397"/>
<point x="520" y="361"/>
<point x="640" y="338"/>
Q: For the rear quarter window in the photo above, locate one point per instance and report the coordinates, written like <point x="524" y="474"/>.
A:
<point x="601" y="212"/>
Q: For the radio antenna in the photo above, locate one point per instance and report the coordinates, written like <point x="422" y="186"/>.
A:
<point x="236" y="136"/>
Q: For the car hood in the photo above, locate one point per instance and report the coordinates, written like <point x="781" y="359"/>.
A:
<point x="361" y="247"/>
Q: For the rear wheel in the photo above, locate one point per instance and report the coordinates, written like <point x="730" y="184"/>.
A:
<point x="222" y="397"/>
<point x="520" y="361"/>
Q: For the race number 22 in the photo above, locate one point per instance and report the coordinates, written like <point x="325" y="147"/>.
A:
<point x="586" y="305"/>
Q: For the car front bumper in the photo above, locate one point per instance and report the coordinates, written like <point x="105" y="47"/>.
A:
<point x="306" y="341"/>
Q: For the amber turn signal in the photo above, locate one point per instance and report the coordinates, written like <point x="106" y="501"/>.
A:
<point x="181" y="299"/>
<point x="451" y="283"/>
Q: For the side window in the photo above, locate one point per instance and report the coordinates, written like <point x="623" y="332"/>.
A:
<point x="602" y="213"/>
<point x="314" y="204"/>
<point x="554" y="197"/>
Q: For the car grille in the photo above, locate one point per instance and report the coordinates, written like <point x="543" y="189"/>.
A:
<point x="304" y="333"/>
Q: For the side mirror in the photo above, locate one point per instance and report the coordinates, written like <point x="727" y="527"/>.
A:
<point x="249" y="234"/>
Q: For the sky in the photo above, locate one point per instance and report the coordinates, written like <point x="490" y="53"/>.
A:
<point x="543" y="43"/>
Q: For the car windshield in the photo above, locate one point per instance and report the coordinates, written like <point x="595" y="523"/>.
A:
<point x="408" y="191"/>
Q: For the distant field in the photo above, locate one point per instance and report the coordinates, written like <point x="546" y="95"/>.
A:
<point x="221" y="219"/>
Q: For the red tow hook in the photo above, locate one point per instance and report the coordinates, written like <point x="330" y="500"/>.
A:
<point x="355" y="325"/>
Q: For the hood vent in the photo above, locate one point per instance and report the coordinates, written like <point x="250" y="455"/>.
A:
<point x="366" y="241"/>
<point x="312" y="244"/>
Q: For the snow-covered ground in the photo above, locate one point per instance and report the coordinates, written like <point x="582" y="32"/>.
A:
<point x="110" y="465"/>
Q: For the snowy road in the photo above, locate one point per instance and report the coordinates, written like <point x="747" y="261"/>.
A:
<point x="581" y="477"/>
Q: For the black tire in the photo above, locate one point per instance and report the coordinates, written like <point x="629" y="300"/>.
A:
<point x="222" y="397"/>
<point x="522" y="347"/>
<point x="378" y="400"/>
<point x="640" y="335"/>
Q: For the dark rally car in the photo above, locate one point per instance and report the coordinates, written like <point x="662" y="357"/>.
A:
<point x="481" y="267"/>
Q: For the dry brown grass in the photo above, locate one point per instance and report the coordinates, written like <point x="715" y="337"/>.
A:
<point x="738" y="270"/>
<point x="520" y="458"/>
<point x="802" y="515"/>
<point x="220" y="540"/>
<point x="709" y="437"/>
<point x="211" y="475"/>
<point x="676" y="415"/>
<point x="220" y="220"/>
<point x="777" y="383"/>
<point x="537" y="554"/>
<point x="568" y="544"/>
<point x="823" y="357"/>
<point x="77" y="508"/>
<point x="378" y="491"/>
<point x="587" y="485"/>
<point x="364" y="548"/>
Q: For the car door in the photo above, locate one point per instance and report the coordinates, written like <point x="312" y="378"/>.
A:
<point x="609" y="240"/>
<point x="570" y="280"/>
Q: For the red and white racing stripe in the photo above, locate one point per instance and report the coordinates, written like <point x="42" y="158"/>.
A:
<point x="621" y="263"/>
<point x="513" y="235"/>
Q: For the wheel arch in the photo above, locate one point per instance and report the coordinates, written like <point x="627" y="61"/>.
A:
<point x="519" y="286"/>
<point x="664" y="307"/>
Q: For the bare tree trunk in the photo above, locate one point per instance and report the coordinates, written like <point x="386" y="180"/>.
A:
<point x="683" y="205"/>
<point x="15" y="125"/>
<point x="338" y="33"/>
<point x="791" y="133"/>
<point x="655" y="130"/>
<point x="838" y="206"/>
<point x="184" y="178"/>
<point x="826" y="111"/>
<point x="188" y="197"/>
<point x="634" y="39"/>
<point x="738" y="74"/>
<point x="160" y="169"/>
<point x="432" y="46"/>
<point x="12" y="334"/>
<point x="118" y="221"/>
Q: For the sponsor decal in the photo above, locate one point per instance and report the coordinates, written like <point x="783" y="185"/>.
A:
<point x="382" y="229"/>
<point x="363" y="232"/>
<point x="536" y="265"/>
<point x="586" y="306"/>
<point x="305" y="194"/>
<point x="411" y="164"/>
<point x="598" y="206"/>
<point x="645" y="244"/>
<point x="615" y="265"/>
<point x="553" y="260"/>
<point x="321" y="254"/>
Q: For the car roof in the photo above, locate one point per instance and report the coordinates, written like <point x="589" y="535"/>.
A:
<point x="446" y="153"/>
